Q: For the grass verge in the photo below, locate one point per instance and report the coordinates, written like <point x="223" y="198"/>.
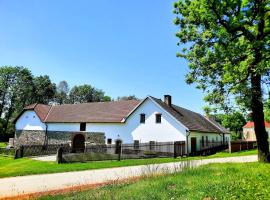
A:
<point x="214" y="181"/>
<point x="26" y="166"/>
<point x="3" y="144"/>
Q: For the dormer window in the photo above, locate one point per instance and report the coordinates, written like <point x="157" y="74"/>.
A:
<point x="158" y="118"/>
<point x="82" y="126"/>
<point x="142" y="118"/>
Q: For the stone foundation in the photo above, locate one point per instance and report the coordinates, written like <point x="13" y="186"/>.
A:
<point x="37" y="137"/>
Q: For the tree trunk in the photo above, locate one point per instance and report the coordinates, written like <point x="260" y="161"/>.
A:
<point x="258" y="118"/>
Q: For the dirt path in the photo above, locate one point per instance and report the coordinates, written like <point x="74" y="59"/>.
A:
<point x="14" y="186"/>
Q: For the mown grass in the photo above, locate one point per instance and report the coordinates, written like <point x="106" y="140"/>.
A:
<point x="3" y="144"/>
<point x="215" y="181"/>
<point x="26" y="166"/>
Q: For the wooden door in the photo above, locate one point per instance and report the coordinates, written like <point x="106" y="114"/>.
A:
<point x="193" y="145"/>
<point x="78" y="143"/>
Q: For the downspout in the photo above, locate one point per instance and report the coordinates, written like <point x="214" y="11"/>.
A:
<point x="46" y="136"/>
<point x="188" y="134"/>
<point x="46" y="133"/>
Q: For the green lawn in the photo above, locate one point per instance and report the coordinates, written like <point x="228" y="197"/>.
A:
<point x="3" y="144"/>
<point x="25" y="166"/>
<point x="216" y="181"/>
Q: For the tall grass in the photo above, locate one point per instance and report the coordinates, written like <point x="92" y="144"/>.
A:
<point x="215" y="181"/>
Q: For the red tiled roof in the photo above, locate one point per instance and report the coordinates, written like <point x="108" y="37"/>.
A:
<point x="114" y="111"/>
<point x="251" y="125"/>
<point x="40" y="109"/>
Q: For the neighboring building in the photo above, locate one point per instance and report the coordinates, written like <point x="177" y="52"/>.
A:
<point x="106" y="122"/>
<point x="249" y="133"/>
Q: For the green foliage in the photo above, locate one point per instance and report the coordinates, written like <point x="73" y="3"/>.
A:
<point x="45" y="90"/>
<point x="267" y="111"/>
<point x="18" y="88"/>
<point x="130" y="97"/>
<point x="228" y="50"/>
<point x="234" y="121"/>
<point x="245" y="181"/>
<point x="62" y="92"/>
<point x="86" y="93"/>
<point x="227" y="44"/>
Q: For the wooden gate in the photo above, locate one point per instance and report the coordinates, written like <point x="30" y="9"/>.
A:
<point x="179" y="148"/>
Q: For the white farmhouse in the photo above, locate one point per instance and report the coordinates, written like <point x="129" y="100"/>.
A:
<point x="107" y="122"/>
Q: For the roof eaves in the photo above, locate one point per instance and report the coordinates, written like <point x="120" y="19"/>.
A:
<point x="221" y="131"/>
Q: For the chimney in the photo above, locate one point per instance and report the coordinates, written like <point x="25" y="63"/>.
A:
<point x="168" y="100"/>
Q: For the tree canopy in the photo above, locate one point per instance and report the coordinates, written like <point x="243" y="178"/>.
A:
<point x="227" y="45"/>
<point x="18" y="88"/>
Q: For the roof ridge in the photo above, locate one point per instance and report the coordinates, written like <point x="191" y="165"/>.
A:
<point x="48" y="113"/>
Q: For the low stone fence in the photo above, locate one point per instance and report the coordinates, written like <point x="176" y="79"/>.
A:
<point x="236" y="146"/>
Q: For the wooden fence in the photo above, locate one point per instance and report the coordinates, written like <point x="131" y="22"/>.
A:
<point x="236" y="146"/>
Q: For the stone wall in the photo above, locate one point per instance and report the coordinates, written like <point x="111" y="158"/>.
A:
<point x="35" y="137"/>
<point x="29" y="137"/>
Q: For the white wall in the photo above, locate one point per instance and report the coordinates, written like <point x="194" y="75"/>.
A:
<point x="29" y="121"/>
<point x="211" y="137"/>
<point x="168" y="130"/>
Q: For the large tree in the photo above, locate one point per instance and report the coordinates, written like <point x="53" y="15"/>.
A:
<point x="130" y="97"/>
<point x="16" y="91"/>
<point x="227" y="44"/>
<point x="86" y="93"/>
<point x="62" y="91"/>
<point x="45" y="89"/>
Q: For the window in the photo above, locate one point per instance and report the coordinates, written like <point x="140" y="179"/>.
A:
<point x="109" y="141"/>
<point x="206" y="140"/>
<point x="142" y="118"/>
<point x="82" y="126"/>
<point x="136" y="144"/>
<point x="158" y="118"/>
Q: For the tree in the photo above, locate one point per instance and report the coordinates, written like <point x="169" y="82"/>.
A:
<point x="45" y="90"/>
<point x="130" y="97"/>
<point x="267" y="110"/>
<point x="15" y="92"/>
<point x="235" y="122"/>
<point x="62" y="92"/>
<point x="86" y="93"/>
<point x="228" y="49"/>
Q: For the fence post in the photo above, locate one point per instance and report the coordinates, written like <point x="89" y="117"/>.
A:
<point x="174" y="150"/>
<point x="119" y="150"/>
<point x="59" y="156"/>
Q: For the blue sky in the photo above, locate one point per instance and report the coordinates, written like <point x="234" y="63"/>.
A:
<point x="123" y="47"/>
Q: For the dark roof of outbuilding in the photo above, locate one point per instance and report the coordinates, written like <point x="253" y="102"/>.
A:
<point x="192" y="120"/>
